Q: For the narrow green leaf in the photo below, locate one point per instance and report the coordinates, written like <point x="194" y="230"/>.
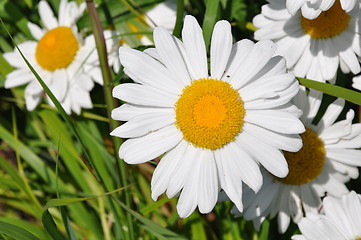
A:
<point x="148" y="223"/>
<point x="265" y="230"/>
<point x="209" y="20"/>
<point x="16" y="232"/>
<point x="333" y="90"/>
<point x="151" y="207"/>
<point x="51" y="227"/>
<point x="179" y="21"/>
<point x="67" y="224"/>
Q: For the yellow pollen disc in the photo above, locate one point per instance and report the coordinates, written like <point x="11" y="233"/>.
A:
<point x="358" y="239"/>
<point x="328" y="24"/>
<point x="57" y="48"/>
<point x="209" y="113"/>
<point x="306" y="164"/>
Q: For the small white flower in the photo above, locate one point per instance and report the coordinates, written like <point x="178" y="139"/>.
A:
<point x="327" y="160"/>
<point x="65" y="61"/>
<point x="311" y="9"/>
<point x="340" y="221"/>
<point x="215" y="127"/>
<point x="313" y="48"/>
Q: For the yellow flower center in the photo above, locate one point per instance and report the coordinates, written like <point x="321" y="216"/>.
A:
<point x="306" y="164"/>
<point x="328" y="24"/>
<point x="57" y="48"/>
<point x="358" y="239"/>
<point x="209" y="113"/>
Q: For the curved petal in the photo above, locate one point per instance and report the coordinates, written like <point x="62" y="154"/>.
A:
<point x="195" y="47"/>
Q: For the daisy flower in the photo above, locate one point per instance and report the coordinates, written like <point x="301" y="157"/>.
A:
<point x="66" y="62"/>
<point x="313" y="48"/>
<point x="163" y="14"/>
<point x="340" y="221"/>
<point x="327" y="160"/>
<point x="311" y="9"/>
<point x="215" y="129"/>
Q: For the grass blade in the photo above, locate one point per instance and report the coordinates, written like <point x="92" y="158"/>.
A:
<point x="16" y="232"/>
<point x="333" y="90"/>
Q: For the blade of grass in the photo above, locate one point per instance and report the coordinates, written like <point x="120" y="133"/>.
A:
<point x="265" y="230"/>
<point x="16" y="232"/>
<point x="179" y="21"/>
<point x="110" y="101"/>
<point x="333" y="90"/>
<point x="153" y="226"/>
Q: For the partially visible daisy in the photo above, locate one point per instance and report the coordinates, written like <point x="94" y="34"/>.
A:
<point x="356" y="82"/>
<point x="162" y="15"/>
<point x="340" y="221"/>
<point x="215" y="127"/>
<point x="327" y="160"/>
<point x="62" y="58"/>
<point x="311" y="9"/>
<point x="313" y="48"/>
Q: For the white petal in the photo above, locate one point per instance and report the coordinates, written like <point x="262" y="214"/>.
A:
<point x="230" y="181"/>
<point x="195" y="47"/>
<point x="152" y="72"/>
<point x="277" y="121"/>
<point x="19" y="77"/>
<point x="287" y="142"/>
<point x="189" y="197"/>
<point x="143" y="124"/>
<point x="272" y="159"/>
<point x="332" y="113"/>
<point x="170" y="54"/>
<point x="162" y="174"/>
<point x="127" y="111"/>
<point x="257" y="58"/>
<point x="35" y="31"/>
<point x="139" y="150"/>
<point x="59" y="84"/>
<point x="47" y="15"/>
<point x="143" y="95"/>
<point x="221" y="46"/>
<point x="182" y="169"/>
<point x="31" y="100"/>
<point x="243" y="166"/>
<point x="208" y="182"/>
<point x="348" y="156"/>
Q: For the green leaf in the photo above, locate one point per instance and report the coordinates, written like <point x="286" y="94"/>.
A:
<point x="209" y="20"/>
<point x="179" y="21"/>
<point x="265" y="230"/>
<point x="51" y="227"/>
<point x="333" y="90"/>
<point x="16" y="232"/>
<point x="149" y="224"/>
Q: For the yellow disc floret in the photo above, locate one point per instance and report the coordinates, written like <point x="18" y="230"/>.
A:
<point x="328" y="24"/>
<point x="57" y="48"/>
<point x="209" y="113"/>
<point x="306" y="164"/>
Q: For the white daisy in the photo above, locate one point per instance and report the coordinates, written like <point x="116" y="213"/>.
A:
<point x="162" y="15"/>
<point x="67" y="63"/>
<point x="340" y="221"/>
<point x="215" y="129"/>
<point x="327" y="160"/>
<point x="312" y="48"/>
<point x="311" y="9"/>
